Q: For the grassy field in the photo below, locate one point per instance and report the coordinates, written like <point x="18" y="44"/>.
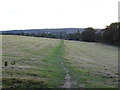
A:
<point x="54" y="63"/>
<point x="92" y="65"/>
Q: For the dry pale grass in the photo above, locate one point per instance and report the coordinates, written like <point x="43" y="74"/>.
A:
<point x="22" y="48"/>
<point x="35" y="58"/>
<point x="97" y="59"/>
<point x="93" y="55"/>
<point x="27" y="52"/>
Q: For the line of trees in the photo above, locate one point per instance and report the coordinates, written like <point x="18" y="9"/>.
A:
<point x="109" y="35"/>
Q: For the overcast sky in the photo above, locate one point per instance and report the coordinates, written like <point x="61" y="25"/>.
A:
<point x="37" y="14"/>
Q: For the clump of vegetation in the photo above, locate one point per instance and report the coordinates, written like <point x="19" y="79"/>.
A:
<point x="6" y="63"/>
<point x="13" y="63"/>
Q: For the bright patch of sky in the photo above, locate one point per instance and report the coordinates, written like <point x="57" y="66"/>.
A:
<point x="37" y="14"/>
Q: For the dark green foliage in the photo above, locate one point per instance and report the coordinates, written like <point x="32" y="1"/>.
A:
<point x="98" y="37"/>
<point x="88" y="35"/>
<point x="75" y="36"/>
<point x="13" y="63"/>
<point x="110" y="35"/>
<point x="23" y="33"/>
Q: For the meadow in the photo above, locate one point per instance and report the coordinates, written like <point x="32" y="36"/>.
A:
<point x="53" y="63"/>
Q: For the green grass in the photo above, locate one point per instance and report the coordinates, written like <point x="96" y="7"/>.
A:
<point x="92" y="65"/>
<point x="56" y="70"/>
<point x="38" y="63"/>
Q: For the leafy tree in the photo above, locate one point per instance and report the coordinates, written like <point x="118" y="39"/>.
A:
<point x="75" y="36"/>
<point x="110" y="35"/>
<point x="88" y="35"/>
<point x="22" y="33"/>
<point x="98" y="37"/>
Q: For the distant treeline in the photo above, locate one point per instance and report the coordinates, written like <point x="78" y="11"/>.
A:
<point x="109" y="35"/>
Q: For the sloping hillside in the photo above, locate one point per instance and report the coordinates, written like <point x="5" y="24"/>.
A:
<point x="30" y="62"/>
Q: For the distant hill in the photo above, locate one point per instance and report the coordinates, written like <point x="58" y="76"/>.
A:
<point x="49" y="31"/>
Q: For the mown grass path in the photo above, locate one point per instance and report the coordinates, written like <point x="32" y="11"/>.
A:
<point x="56" y="58"/>
<point x="38" y="67"/>
<point x="68" y="82"/>
<point x="55" y="63"/>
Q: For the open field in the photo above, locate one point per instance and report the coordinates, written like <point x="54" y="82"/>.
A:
<point x="54" y="63"/>
<point x="92" y="65"/>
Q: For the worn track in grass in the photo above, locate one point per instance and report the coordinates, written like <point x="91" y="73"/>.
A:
<point x="55" y="63"/>
<point x="36" y="63"/>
